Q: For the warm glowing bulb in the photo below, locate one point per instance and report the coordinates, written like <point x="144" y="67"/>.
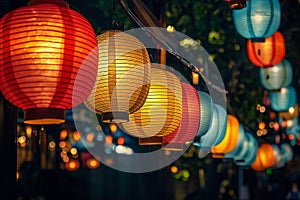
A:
<point x="76" y="136"/>
<point x="108" y="139"/>
<point x="113" y="128"/>
<point x="63" y="134"/>
<point x="170" y="28"/>
<point x="195" y="78"/>
<point x="174" y="169"/>
<point x="121" y="141"/>
<point x="291" y="110"/>
<point x="28" y="130"/>
<point x="51" y="145"/>
<point x="73" y="151"/>
<point x="90" y="137"/>
<point x="261" y="125"/>
<point x="22" y="139"/>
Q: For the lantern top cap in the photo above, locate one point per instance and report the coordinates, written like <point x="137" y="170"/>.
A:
<point x="60" y="3"/>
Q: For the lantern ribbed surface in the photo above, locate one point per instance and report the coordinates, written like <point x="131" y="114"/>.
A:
<point x="277" y="76"/>
<point x="283" y="99"/>
<point x="286" y="152"/>
<point x="216" y="131"/>
<point x="123" y="78"/>
<point x="277" y="155"/>
<point x="231" y="137"/>
<point x="240" y="144"/>
<point x="248" y="154"/>
<point x="43" y="49"/>
<point x="267" y="53"/>
<point x="190" y="120"/>
<point x="258" y="20"/>
<point x="206" y="112"/>
<point x="161" y="113"/>
<point x="265" y="157"/>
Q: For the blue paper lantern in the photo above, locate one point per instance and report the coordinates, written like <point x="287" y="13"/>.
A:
<point x="258" y="20"/>
<point x="206" y="112"/>
<point x="277" y="76"/>
<point x="248" y="155"/>
<point x="283" y="99"/>
<point x="215" y="133"/>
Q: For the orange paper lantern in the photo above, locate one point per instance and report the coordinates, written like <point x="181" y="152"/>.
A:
<point x="230" y="139"/>
<point x="48" y="61"/>
<point x="267" y="53"/>
<point x="265" y="157"/>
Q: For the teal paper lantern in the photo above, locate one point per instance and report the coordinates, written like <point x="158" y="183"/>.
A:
<point x="258" y="20"/>
<point x="277" y="76"/>
<point x="215" y="133"/>
<point x="283" y="99"/>
<point x="206" y="112"/>
<point x="287" y="152"/>
<point x="248" y="155"/>
<point x="279" y="162"/>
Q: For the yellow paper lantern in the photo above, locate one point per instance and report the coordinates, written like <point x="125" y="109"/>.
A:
<point x="230" y="139"/>
<point x="161" y="113"/>
<point x="123" y="78"/>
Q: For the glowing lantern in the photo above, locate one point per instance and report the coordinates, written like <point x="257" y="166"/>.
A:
<point x="267" y="53"/>
<point x="190" y="119"/>
<point x="287" y="153"/>
<point x="123" y="78"/>
<point x="215" y="133"/>
<point x="206" y="112"/>
<point x="277" y="76"/>
<point x="231" y="137"/>
<point x="283" y="99"/>
<point x="239" y="146"/>
<point x="161" y="113"/>
<point x="265" y="157"/>
<point x="44" y="48"/>
<point x="236" y="4"/>
<point x="277" y="154"/>
<point x="258" y="20"/>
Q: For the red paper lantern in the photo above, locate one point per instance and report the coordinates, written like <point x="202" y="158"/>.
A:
<point x="48" y="59"/>
<point x="190" y="120"/>
<point x="267" y="53"/>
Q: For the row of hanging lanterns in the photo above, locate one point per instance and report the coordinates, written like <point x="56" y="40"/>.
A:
<point x="258" y="22"/>
<point x="54" y="68"/>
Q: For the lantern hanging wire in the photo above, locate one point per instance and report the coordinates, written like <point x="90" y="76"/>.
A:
<point x="168" y="47"/>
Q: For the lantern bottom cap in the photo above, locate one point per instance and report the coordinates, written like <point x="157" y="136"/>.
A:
<point x="173" y="146"/>
<point x="115" y="117"/>
<point x="154" y="140"/>
<point x="43" y="116"/>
